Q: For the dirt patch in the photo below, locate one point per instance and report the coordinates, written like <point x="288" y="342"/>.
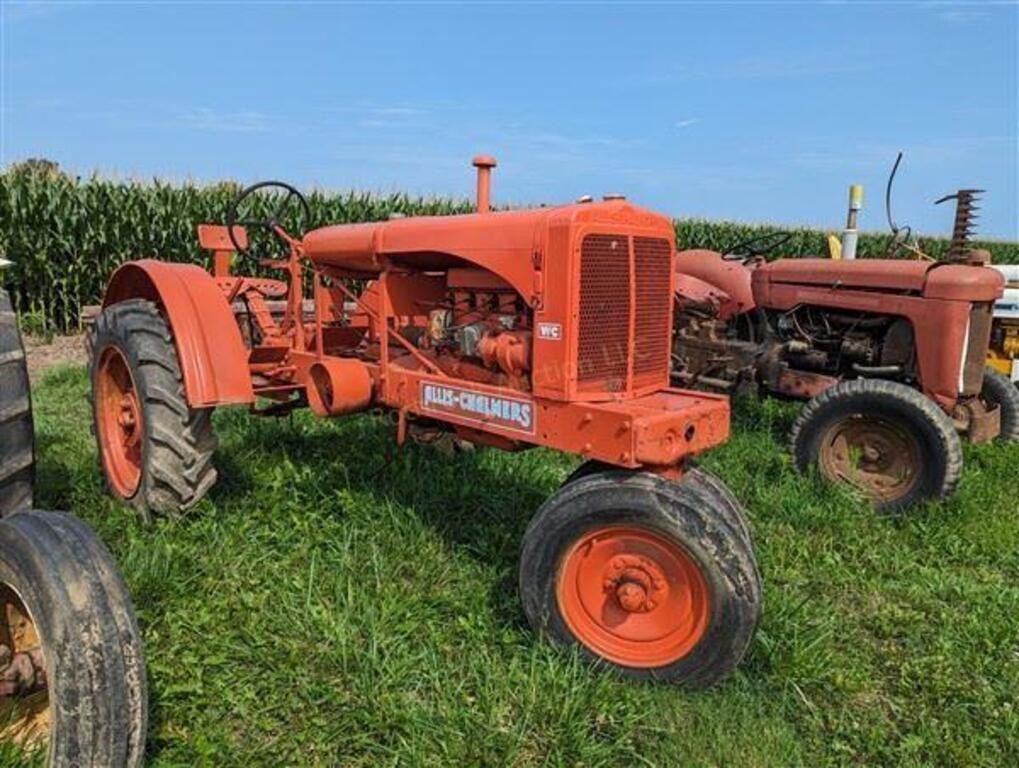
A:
<point x="43" y="354"/>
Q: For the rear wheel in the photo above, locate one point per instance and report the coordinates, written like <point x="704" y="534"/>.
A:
<point x="156" y="451"/>
<point x="998" y="390"/>
<point x="652" y="576"/>
<point x="16" y="440"/>
<point x="888" y="441"/>
<point x="72" y="675"/>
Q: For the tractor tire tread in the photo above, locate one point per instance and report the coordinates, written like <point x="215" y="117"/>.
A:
<point x="82" y="609"/>
<point x="17" y="438"/>
<point x="179" y="441"/>
<point x="868" y="392"/>
<point x="708" y="524"/>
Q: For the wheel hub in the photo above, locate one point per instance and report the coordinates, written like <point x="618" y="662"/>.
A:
<point x="638" y="583"/>
<point x="878" y="456"/>
<point x="633" y="596"/>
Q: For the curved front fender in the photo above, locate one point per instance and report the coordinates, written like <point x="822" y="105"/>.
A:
<point x="213" y="358"/>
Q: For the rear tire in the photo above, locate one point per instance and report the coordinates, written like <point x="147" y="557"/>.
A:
<point x="73" y="673"/>
<point x="651" y="576"/>
<point x="998" y="390"/>
<point x="155" y="451"/>
<point x="885" y="439"/>
<point x="16" y="436"/>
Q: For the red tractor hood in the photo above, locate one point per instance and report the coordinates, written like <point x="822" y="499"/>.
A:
<point x="505" y="243"/>
<point x="961" y="282"/>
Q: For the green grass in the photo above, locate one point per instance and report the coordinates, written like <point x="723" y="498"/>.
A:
<point x="338" y="602"/>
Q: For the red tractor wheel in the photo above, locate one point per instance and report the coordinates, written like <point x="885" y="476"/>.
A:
<point x="653" y="576"/>
<point x="156" y="451"/>
<point x="886" y="440"/>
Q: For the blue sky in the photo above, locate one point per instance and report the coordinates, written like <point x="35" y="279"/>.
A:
<point x="762" y="112"/>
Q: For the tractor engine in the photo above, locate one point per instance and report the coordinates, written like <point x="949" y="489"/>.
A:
<point x="844" y="343"/>
<point x="726" y="353"/>
<point x="481" y="331"/>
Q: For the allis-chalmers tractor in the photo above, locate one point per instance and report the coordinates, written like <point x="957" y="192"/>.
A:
<point x="543" y="327"/>
<point x="890" y="354"/>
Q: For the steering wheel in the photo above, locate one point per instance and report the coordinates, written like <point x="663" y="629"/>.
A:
<point x="756" y="246"/>
<point x="270" y="223"/>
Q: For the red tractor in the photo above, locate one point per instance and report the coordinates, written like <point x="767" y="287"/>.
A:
<point x="543" y="327"/>
<point x="889" y="353"/>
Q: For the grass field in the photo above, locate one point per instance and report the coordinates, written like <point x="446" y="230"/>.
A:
<point x="325" y="607"/>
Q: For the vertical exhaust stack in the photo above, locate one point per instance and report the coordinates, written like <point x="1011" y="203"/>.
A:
<point x="484" y="164"/>
<point x="850" y="234"/>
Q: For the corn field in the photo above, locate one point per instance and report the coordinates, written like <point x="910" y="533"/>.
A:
<point x="66" y="235"/>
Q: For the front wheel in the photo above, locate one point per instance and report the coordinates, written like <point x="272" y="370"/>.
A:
<point x="655" y="577"/>
<point x="72" y="674"/>
<point x="884" y="439"/>
<point x="155" y="450"/>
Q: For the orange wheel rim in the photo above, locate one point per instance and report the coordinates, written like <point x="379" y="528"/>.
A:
<point x="633" y="597"/>
<point x="119" y="422"/>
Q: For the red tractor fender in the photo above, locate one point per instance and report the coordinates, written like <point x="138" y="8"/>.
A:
<point x="731" y="278"/>
<point x="212" y="355"/>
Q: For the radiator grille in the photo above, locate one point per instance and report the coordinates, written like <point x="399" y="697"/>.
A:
<point x="652" y="331"/>
<point x="604" y="327"/>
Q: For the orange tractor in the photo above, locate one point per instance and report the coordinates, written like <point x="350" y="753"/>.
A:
<point x="542" y="327"/>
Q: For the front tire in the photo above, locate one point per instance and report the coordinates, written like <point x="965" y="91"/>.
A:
<point x="998" y="390"/>
<point x="885" y="439"/>
<point x="155" y="450"/>
<point x="72" y="673"/>
<point x="654" y="577"/>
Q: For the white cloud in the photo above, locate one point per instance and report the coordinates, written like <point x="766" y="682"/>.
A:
<point x="961" y="16"/>
<point x="687" y="123"/>
<point x="242" y="121"/>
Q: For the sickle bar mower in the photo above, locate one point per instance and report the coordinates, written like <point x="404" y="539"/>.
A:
<point x="511" y="329"/>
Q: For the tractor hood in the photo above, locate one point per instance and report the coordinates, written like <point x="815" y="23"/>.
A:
<point x="960" y="282"/>
<point x="505" y="243"/>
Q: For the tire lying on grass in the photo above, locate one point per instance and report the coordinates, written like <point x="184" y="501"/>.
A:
<point x="73" y="675"/>
<point x="883" y="438"/>
<point x="655" y="577"/>
<point x="16" y="442"/>
<point x="156" y="451"/>
<point x="999" y="390"/>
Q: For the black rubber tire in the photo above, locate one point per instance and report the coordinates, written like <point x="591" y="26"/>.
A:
<point x="999" y="390"/>
<point x="178" y="441"/>
<point x="17" y="463"/>
<point x="82" y="611"/>
<point x="938" y="441"/>
<point x="706" y="481"/>
<point x="707" y="527"/>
